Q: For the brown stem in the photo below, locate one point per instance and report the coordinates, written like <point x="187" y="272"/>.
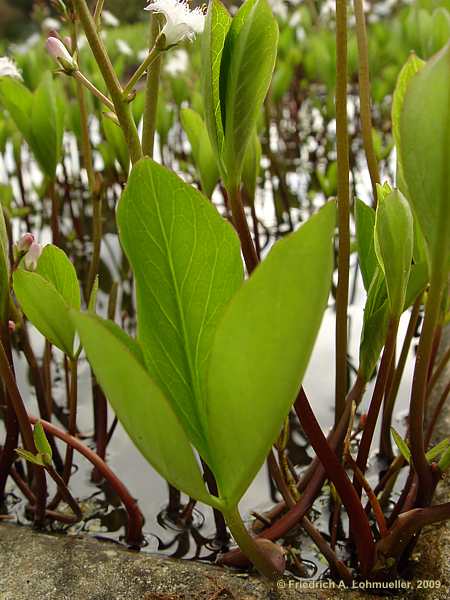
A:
<point x="436" y="413"/>
<point x="241" y="226"/>
<point x="377" y="398"/>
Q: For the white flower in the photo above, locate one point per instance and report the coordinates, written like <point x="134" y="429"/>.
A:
<point x="109" y="19"/>
<point x="177" y="63"/>
<point x="181" y="22"/>
<point x="50" y="24"/>
<point x="8" y="68"/>
<point x="279" y="8"/>
<point x="124" y="48"/>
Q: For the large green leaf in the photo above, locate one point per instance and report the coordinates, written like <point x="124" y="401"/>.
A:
<point x="247" y="67"/>
<point x="251" y="167"/>
<point x="261" y="350"/>
<point x="187" y="264"/>
<point x="44" y="306"/>
<point x="393" y="240"/>
<point x="4" y="269"/>
<point x="425" y="153"/>
<point x="140" y="405"/>
<point x="365" y="224"/>
<point x="55" y="267"/>
<point x="217" y="25"/>
<point x="203" y="154"/>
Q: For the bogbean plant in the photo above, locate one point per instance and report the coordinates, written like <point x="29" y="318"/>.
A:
<point x="205" y="388"/>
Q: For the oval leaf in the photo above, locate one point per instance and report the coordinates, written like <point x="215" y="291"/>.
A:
<point x="140" y="405"/>
<point x="187" y="264"/>
<point x="253" y="381"/>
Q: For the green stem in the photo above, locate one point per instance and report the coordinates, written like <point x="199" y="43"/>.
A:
<point x="72" y="428"/>
<point x="121" y="106"/>
<point x="151" y="93"/>
<point x="364" y="97"/>
<point x="153" y="55"/>
<point x="78" y="75"/>
<point x="98" y="12"/>
<point x="343" y="195"/>
<point x="54" y="218"/>
<point x="248" y="544"/>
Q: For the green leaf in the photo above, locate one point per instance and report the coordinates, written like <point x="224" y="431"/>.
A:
<point x="202" y="151"/>
<point x="217" y="24"/>
<point x="4" y="269"/>
<point x="251" y="46"/>
<point x="57" y="269"/>
<point x="251" y="167"/>
<point x="47" y="123"/>
<point x="18" y="101"/>
<point x="253" y="380"/>
<point x="394" y="239"/>
<point x="92" y="304"/>
<point x="140" y="405"/>
<point x="41" y="443"/>
<point x="187" y="265"/>
<point x="375" y="324"/>
<point x="425" y="153"/>
<point x="401" y="445"/>
<point x="411" y="67"/>
<point x="438" y="449"/>
<point x="365" y="225"/>
<point x="44" y="306"/>
<point x="444" y="463"/>
<point x="35" y="459"/>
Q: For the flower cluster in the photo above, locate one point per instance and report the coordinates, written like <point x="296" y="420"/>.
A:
<point x="181" y="22"/>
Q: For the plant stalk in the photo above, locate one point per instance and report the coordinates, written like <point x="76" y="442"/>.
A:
<point x="151" y="92"/>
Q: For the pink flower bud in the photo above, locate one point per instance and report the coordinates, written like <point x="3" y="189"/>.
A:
<point x="11" y="326"/>
<point x="32" y="257"/>
<point x="23" y="245"/>
<point x="60" y="53"/>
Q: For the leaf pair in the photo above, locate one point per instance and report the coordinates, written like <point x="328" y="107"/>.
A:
<point x="213" y="348"/>
<point x="39" y="116"/>
<point x="47" y="295"/>
<point x="238" y="60"/>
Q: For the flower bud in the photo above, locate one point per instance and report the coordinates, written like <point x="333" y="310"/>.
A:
<point x="32" y="256"/>
<point x="23" y="245"/>
<point x="59" y="52"/>
<point x="11" y="326"/>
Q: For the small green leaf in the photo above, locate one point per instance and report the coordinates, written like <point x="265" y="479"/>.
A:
<point x="57" y="269"/>
<point x="45" y="308"/>
<point x="116" y="140"/>
<point x="365" y="225"/>
<point x="92" y="304"/>
<point x="251" y="167"/>
<point x="394" y="246"/>
<point x="18" y="101"/>
<point x="217" y="25"/>
<point x="438" y="449"/>
<point x="425" y="154"/>
<point x="35" y="459"/>
<point x="47" y="121"/>
<point x="246" y="70"/>
<point x="202" y="151"/>
<point x="253" y="381"/>
<point x="4" y="269"/>
<point x="41" y="443"/>
<point x="140" y="405"/>
<point x="444" y="463"/>
<point x="187" y="264"/>
<point x="401" y="445"/>
<point x="411" y="67"/>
